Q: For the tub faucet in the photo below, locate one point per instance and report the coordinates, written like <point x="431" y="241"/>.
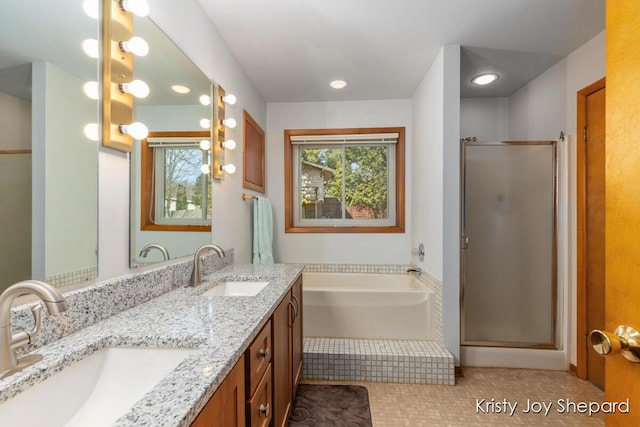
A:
<point x="145" y="250"/>
<point x="196" y="275"/>
<point x="55" y="303"/>
<point x="416" y="270"/>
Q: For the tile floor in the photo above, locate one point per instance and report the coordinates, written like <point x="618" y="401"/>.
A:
<point x="415" y="405"/>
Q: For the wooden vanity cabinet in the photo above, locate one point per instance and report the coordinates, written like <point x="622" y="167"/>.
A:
<point x="226" y="406"/>
<point x="287" y="353"/>
<point x="258" y="379"/>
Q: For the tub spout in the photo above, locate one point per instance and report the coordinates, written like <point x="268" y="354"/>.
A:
<point x="416" y="270"/>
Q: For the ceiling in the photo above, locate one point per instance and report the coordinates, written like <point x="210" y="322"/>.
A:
<point x="291" y="49"/>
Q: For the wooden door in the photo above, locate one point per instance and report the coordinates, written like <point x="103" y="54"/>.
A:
<point x="622" y="214"/>
<point x="591" y="198"/>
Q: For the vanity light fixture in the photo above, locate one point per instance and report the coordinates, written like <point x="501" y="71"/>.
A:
<point x="136" y="45"/>
<point x="484" y="79"/>
<point x="230" y="122"/>
<point x="229" y="144"/>
<point x="205" y="169"/>
<point x="205" y="100"/>
<point x="136" y="130"/>
<point x="229" y="99"/>
<point x="91" y="8"/>
<point x="137" y="7"/>
<point x="228" y="168"/>
<point x="205" y="123"/>
<point x="205" y="145"/>
<point x="137" y="88"/>
<point x="92" y="90"/>
<point x="91" y="131"/>
<point x="91" y="48"/>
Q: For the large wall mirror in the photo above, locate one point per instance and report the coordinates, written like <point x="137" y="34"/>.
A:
<point x="48" y="165"/>
<point x="170" y="195"/>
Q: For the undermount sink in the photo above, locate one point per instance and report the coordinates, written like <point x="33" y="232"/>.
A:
<point x="94" y="391"/>
<point x="230" y="288"/>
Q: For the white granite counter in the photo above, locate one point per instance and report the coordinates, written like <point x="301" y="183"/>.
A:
<point x="219" y="329"/>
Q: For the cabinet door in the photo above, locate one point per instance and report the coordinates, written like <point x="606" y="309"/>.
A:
<point x="226" y="406"/>
<point x="296" y="336"/>
<point x="281" y="362"/>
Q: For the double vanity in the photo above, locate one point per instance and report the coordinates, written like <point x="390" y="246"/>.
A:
<point x="227" y="352"/>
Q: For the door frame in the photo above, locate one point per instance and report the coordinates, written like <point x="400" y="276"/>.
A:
<point x="581" y="228"/>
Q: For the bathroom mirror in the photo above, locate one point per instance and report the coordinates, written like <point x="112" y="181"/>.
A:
<point x="48" y="165"/>
<point x="175" y="121"/>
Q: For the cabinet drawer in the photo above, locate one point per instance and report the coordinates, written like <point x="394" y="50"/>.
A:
<point x="260" y="406"/>
<point x="257" y="358"/>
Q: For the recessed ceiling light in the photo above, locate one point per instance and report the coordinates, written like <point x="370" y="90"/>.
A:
<point x="180" y="89"/>
<point x="484" y="79"/>
<point x="338" y="84"/>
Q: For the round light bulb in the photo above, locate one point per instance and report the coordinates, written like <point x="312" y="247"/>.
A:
<point x="228" y="168"/>
<point x="91" y="48"/>
<point x="136" y="130"/>
<point x="229" y="144"/>
<point x="136" y="45"/>
<point x="137" y="7"/>
<point x="229" y="99"/>
<point x="137" y="88"/>
<point x="205" y="145"/>
<point x="91" y="8"/>
<point x="205" y="123"/>
<point x="91" y="131"/>
<point x="91" y="89"/>
<point x="230" y="122"/>
<point x="205" y="100"/>
<point x="205" y="169"/>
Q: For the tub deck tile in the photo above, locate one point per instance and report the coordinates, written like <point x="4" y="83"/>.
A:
<point x="397" y="361"/>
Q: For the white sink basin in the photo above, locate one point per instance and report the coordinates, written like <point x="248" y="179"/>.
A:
<point x="94" y="391"/>
<point x="235" y="289"/>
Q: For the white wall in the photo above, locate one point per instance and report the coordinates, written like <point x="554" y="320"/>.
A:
<point x="361" y="248"/>
<point x="187" y="24"/>
<point x="436" y="194"/>
<point x="485" y="118"/>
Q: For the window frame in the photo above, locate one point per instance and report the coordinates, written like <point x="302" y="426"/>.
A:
<point x="147" y="190"/>
<point x="289" y="191"/>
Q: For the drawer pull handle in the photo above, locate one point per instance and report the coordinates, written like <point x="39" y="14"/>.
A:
<point x="264" y="410"/>
<point x="264" y="353"/>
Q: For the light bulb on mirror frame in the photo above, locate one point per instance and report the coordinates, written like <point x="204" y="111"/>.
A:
<point x="230" y="122"/>
<point x="136" y="130"/>
<point x="229" y="144"/>
<point x="205" y="123"/>
<point x="91" y="48"/>
<point x="92" y="90"/>
<point x="91" y="8"/>
<point x="137" y="88"/>
<point x="91" y="131"/>
<point x="205" y="100"/>
<point x="136" y="45"/>
<point x="137" y="7"/>
<point x="205" y="169"/>
<point x="229" y="168"/>
<point x="229" y="99"/>
<point x="205" y="145"/>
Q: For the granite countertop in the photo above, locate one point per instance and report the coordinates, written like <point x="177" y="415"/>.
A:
<point x="219" y="329"/>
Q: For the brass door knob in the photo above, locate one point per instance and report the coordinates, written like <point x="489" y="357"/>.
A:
<point x="624" y="340"/>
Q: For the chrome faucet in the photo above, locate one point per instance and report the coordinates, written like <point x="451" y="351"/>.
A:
<point x="416" y="270"/>
<point x="55" y="303"/>
<point x="196" y="275"/>
<point x="145" y="250"/>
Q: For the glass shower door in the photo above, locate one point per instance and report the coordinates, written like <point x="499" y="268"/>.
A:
<point x="509" y="250"/>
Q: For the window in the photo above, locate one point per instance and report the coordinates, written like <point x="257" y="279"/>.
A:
<point x="176" y="195"/>
<point x="344" y="180"/>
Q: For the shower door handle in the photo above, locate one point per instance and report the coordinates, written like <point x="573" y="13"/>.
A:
<point x="465" y="242"/>
<point x="624" y="340"/>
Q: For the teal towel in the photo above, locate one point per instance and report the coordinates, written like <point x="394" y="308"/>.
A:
<point x="262" y="231"/>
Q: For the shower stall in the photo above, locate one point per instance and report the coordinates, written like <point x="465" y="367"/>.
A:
<point x="508" y="260"/>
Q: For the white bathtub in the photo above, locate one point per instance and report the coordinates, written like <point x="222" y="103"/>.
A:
<point x="374" y="306"/>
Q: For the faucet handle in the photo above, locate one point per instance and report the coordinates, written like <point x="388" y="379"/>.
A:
<point x="23" y="338"/>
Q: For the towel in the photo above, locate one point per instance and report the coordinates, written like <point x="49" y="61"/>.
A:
<point x="262" y="231"/>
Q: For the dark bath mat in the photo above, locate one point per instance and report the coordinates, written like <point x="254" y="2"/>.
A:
<point x="321" y="405"/>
